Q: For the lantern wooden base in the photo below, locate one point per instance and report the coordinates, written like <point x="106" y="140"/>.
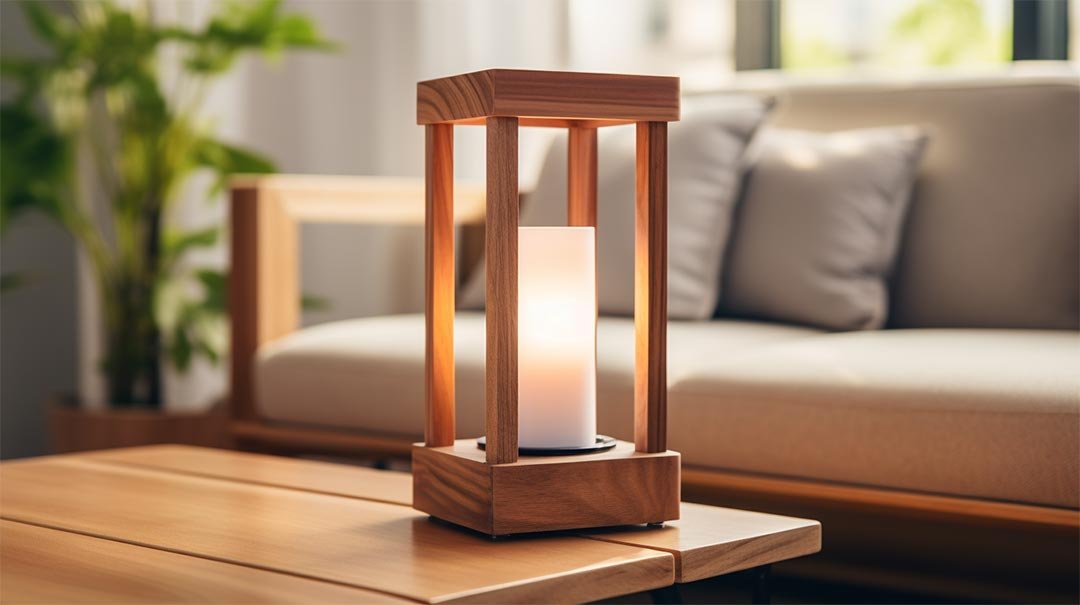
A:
<point x="545" y="493"/>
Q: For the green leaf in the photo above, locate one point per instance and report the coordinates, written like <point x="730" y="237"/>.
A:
<point x="311" y="302"/>
<point x="249" y="26"/>
<point x="120" y="49"/>
<point x="227" y="160"/>
<point x="180" y="348"/>
<point x="29" y="74"/>
<point x="47" y="23"/>
<point x="11" y="281"/>
<point x="174" y="244"/>
<point x="230" y="158"/>
<point x="215" y="285"/>
<point x="298" y="31"/>
<point x="17" y="68"/>
<point x="195" y="326"/>
<point x="36" y="162"/>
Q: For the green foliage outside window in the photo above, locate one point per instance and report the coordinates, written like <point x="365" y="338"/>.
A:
<point x="922" y="33"/>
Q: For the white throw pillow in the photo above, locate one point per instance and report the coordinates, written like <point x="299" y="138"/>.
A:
<point x="704" y="151"/>
<point x="817" y="229"/>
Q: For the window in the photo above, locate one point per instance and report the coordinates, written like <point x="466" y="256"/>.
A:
<point x="894" y="33"/>
<point x="691" y="39"/>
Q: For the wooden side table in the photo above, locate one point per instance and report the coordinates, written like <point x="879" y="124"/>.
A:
<point x="185" y="524"/>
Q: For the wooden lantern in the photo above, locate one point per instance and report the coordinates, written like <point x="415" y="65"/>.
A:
<point x="496" y="491"/>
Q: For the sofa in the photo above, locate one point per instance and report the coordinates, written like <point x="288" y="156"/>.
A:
<point x="942" y="453"/>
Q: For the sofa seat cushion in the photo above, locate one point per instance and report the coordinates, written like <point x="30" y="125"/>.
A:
<point x="368" y="373"/>
<point x="984" y="413"/>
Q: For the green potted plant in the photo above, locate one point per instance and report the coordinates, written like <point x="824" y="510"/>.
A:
<point x="97" y="97"/>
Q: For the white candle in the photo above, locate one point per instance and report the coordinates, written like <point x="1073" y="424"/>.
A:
<point x="556" y="336"/>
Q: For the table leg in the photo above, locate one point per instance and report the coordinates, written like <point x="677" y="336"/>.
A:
<point x="762" y="592"/>
<point x="667" y="595"/>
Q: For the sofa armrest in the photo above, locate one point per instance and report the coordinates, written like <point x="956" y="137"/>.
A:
<point x="265" y="212"/>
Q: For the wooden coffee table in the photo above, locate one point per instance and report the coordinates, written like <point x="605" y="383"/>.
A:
<point x="175" y="524"/>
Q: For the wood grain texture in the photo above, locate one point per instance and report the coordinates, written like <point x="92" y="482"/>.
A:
<point x="501" y="246"/>
<point x="706" y="541"/>
<point x="545" y="493"/>
<point x="41" y="565"/>
<point x="709" y="541"/>
<point x="307" y="475"/>
<point x="453" y="488"/>
<point x="581" y="178"/>
<point x="572" y="494"/>
<point x="650" y="289"/>
<point x="461" y="97"/>
<point x="382" y="547"/>
<point x="439" y="284"/>
<point x="581" y="203"/>
<point x="527" y="122"/>
<point x="547" y="95"/>
<point x="264" y="287"/>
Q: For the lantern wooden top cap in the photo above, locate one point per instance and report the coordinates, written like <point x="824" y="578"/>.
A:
<point x="547" y="98"/>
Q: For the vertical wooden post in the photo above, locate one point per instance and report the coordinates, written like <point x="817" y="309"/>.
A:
<point x="650" y="289"/>
<point x="264" y="296"/>
<point x="581" y="167"/>
<point x="439" y="429"/>
<point x="581" y="177"/>
<point x="501" y="247"/>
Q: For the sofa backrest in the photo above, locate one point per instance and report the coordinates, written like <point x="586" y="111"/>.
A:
<point x="993" y="234"/>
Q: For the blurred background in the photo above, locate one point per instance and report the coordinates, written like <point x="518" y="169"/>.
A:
<point x="351" y="111"/>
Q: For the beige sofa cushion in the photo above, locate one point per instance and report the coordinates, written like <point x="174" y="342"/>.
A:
<point x="817" y="229"/>
<point x="368" y="373"/>
<point x="993" y="231"/>
<point x="985" y="413"/>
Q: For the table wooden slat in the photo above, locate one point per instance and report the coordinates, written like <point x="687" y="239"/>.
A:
<point x="321" y="477"/>
<point x="707" y="541"/>
<point x="710" y="541"/>
<point x="385" y="547"/>
<point x="40" y="565"/>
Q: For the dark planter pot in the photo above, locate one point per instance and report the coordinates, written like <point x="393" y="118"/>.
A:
<point x="73" y="428"/>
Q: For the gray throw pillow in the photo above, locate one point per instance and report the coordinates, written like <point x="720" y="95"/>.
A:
<point x="817" y="230"/>
<point x="704" y="151"/>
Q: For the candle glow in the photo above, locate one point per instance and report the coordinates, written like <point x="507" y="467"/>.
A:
<point x="556" y="337"/>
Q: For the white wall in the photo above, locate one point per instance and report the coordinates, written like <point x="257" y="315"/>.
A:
<point x="37" y="321"/>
